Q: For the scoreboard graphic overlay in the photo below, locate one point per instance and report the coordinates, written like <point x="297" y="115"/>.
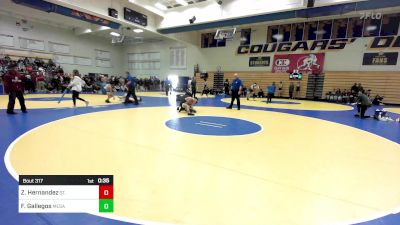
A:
<point x="66" y="194"/>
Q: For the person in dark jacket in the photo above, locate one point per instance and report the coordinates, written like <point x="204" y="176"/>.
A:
<point x="131" y="85"/>
<point x="291" y="89"/>
<point x="363" y="103"/>
<point x="14" y="87"/>
<point x="193" y="86"/>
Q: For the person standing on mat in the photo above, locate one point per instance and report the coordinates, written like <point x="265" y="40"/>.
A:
<point x="109" y="87"/>
<point x="76" y="86"/>
<point x="226" y="87"/>
<point x="131" y="85"/>
<point x="205" y="89"/>
<point x="168" y="87"/>
<point x="14" y="87"/>
<point x="271" y="92"/>
<point x="297" y="90"/>
<point x="236" y="91"/>
<point x="193" y="86"/>
<point x="363" y="103"/>
<point x="280" y="89"/>
<point x="291" y="89"/>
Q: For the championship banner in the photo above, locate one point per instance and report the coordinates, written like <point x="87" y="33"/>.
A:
<point x="304" y="63"/>
<point x="259" y="61"/>
<point x="380" y="59"/>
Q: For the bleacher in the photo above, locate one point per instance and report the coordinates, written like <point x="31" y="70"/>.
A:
<point x="383" y="83"/>
<point x="263" y="79"/>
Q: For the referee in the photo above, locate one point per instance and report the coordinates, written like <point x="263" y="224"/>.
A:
<point x="236" y="91"/>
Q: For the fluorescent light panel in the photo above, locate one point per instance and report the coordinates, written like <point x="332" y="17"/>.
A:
<point x="115" y="34"/>
<point x="104" y="28"/>
<point x="160" y="6"/>
<point x="182" y="2"/>
<point x="137" y="30"/>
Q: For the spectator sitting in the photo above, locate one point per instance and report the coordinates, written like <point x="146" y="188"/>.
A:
<point x="354" y="89"/>
<point x="29" y="86"/>
<point x="377" y="100"/>
<point x="260" y="93"/>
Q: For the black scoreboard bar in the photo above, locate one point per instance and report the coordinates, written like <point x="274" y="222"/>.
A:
<point x="66" y="180"/>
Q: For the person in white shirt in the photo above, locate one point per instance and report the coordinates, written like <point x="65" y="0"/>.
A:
<point x="205" y="89"/>
<point x="280" y="89"/>
<point x="188" y="105"/>
<point x="76" y="86"/>
<point x="109" y="87"/>
<point x="253" y="90"/>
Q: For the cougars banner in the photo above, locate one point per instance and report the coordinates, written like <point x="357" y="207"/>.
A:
<point x="304" y="63"/>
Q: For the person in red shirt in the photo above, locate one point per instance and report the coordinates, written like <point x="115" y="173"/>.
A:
<point x="14" y="87"/>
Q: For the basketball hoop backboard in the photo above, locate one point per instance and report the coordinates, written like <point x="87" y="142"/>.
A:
<point x="227" y="34"/>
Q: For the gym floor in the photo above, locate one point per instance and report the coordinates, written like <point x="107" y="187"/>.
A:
<point x="288" y="162"/>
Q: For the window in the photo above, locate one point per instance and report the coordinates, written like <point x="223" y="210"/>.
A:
<point x="372" y="27"/>
<point x="297" y="32"/>
<point x="355" y="27"/>
<point x="204" y="40"/>
<point x="272" y="35"/>
<point x="324" y="30"/>
<point x="310" y="31"/>
<point x="284" y="30"/>
<point x="390" y="24"/>
<point x="208" y="41"/>
<point x="144" y="61"/>
<point x="245" y="36"/>
<point x="339" y="28"/>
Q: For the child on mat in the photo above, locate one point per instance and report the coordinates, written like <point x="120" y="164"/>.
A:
<point x="109" y="87"/>
<point x="76" y="85"/>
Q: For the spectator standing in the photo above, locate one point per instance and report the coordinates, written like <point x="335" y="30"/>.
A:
<point x="271" y="92"/>
<point x="193" y="86"/>
<point x="14" y="87"/>
<point x="226" y="87"/>
<point x="297" y="90"/>
<point x="354" y="89"/>
<point x="291" y="89"/>
<point x="280" y="89"/>
<point x="205" y="88"/>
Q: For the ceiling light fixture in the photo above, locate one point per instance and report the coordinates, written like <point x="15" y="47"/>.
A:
<point x="160" y="6"/>
<point x="278" y="37"/>
<point x="138" y="30"/>
<point x="182" y="2"/>
<point x="371" y="28"/>
<point x="115" y="34"/>
<point x="104" y="28"/>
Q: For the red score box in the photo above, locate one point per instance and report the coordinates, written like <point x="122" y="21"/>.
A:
<point x="106" y="192"/>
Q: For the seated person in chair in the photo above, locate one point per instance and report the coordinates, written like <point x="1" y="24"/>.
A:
<point x="377" y="100"/>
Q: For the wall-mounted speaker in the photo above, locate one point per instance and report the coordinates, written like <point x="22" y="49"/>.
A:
<point x="310" y="3"/>
<point x="112" y="12"/>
